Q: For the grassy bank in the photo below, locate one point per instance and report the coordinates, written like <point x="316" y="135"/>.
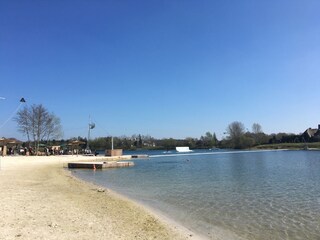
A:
<point x="293" y="146"/>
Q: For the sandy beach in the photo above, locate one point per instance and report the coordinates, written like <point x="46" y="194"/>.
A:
<point x="41" y="200"/>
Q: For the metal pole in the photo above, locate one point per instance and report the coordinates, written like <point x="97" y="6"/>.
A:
<point x="111" y="143"/>
<point x="88" y="147"/>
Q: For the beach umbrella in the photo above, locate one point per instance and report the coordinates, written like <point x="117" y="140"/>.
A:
<point x="2" y="140"/>
<point x="3" y="147"/>
<point x="5" y="141"/>
<point x="13" y="141"/>
<point x="76" y="144"/>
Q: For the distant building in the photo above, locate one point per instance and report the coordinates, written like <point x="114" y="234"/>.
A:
<point x="311" y="134"/>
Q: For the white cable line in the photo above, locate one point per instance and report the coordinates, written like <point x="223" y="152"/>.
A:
<point x="11" y="116"/>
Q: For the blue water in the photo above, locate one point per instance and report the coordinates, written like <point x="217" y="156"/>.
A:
<point x="245" y="195"/>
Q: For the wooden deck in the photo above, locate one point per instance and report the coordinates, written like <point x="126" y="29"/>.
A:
<point x="101" y="162"/>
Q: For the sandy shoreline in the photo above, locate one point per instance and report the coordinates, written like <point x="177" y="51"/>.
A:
<point x="40" y="200"/>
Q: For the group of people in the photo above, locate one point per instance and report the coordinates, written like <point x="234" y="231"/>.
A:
<point x="48" y="151"/>
<point x="14" y="151"/>
<point x="26" y="151"/>
<point x="53" y="151"/>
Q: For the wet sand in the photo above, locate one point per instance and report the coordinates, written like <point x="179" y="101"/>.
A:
<point x="41" y="200"/>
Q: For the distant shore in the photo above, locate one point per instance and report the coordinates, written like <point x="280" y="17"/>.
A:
<point x="291" y="146"/>
<point x="40" y="200"/>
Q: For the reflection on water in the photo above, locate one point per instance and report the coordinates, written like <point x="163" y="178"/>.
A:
<point x="257" y="195"/>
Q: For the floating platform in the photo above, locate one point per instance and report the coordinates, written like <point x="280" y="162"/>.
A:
<point x="140" y="156"/>
<point x="99" y="165"/>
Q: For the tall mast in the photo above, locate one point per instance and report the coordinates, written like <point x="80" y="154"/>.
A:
<point x="88" y="147"/>
<point x="91" y="126"/>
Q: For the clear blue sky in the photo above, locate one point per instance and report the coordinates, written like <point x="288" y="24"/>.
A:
<point x="167" y="68"/>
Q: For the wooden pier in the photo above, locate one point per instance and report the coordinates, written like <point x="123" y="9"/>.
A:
<point x="99" y="165"/>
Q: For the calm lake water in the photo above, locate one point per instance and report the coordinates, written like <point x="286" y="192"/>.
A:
<point x="241" y="195"/>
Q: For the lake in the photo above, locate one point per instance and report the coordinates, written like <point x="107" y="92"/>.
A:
<point x="244" y="194"/>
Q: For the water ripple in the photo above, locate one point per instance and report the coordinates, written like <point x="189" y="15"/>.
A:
<point x="252" y="195"/>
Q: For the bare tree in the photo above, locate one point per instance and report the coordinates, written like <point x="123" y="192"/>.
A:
<point x="54" y="129"/>
<point x="257" y="133"/>
<point x="36" y="122"/>
<point x="256" y="128"/>
<point x="236" y="132"/>
<point x="23" y="120"/>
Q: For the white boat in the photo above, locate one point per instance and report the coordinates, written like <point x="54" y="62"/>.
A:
<point x="183" y="149"/>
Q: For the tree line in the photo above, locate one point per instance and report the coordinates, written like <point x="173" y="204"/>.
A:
<point x="237" y="136"/>
<point x="42" y="127"/>
<point x="139" y="141"/>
